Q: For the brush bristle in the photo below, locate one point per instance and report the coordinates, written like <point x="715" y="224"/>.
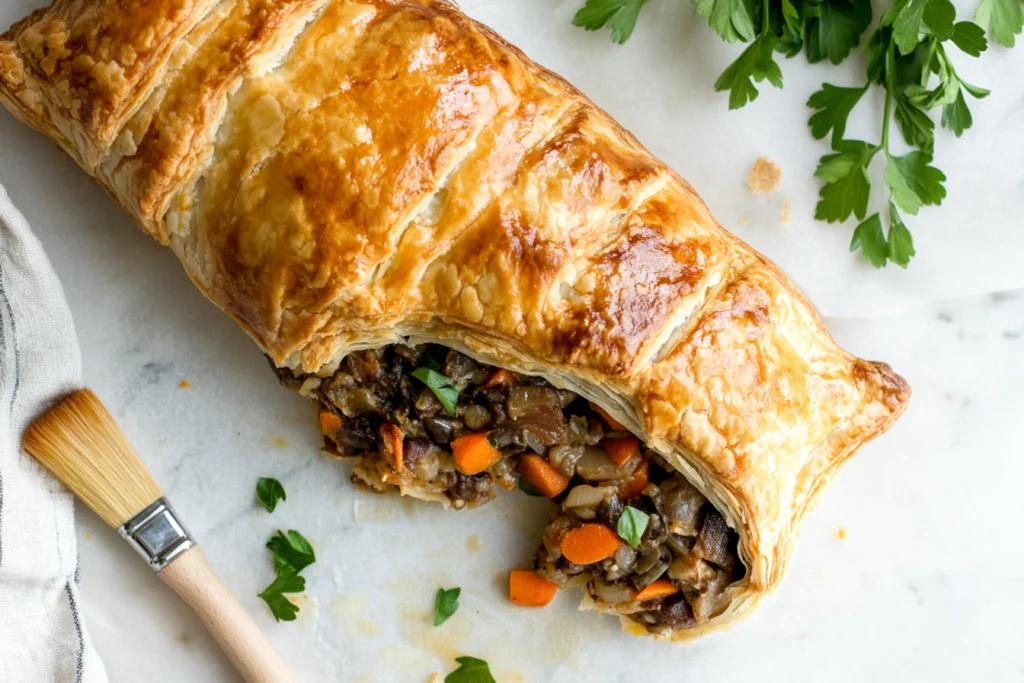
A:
<point x="80" y="443"/>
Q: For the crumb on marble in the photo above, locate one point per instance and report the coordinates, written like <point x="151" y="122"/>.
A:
<point x="88" y="534"/>
<point x="474" y="543"/>
<point x="184" y="384"/>
<point x="765" y="176"/>
<point x="841" y="533"/>
<point x="785" y="210"/>
<point x="745" y="220"/>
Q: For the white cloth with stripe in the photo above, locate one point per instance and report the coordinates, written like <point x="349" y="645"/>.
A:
<point x="42" y="631"/>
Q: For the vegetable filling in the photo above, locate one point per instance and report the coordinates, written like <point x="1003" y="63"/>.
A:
<point x="436" y="424"/>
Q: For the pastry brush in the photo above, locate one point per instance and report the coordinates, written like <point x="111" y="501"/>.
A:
<point x="80" y="443"/>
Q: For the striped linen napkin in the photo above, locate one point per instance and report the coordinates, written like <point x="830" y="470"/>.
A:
<point x="42" y="631"/>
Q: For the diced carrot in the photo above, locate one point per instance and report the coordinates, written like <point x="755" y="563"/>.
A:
<point x="612" y="422"/>
<point x="473" y="453"/>
<point x="529" y="590"/>
<point x="330" y="422"/>
<point x="621" y="450"/>
<point x="589" y="543"/>
<point x="632" y="487"/>
<point x="540" y="474"/>
<point x="500" y="376"/>
<point x="393" y="445"/>
<point x="657" y="589"/>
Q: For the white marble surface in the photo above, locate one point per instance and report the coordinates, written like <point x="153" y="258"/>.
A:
<point x="928" y="585"/>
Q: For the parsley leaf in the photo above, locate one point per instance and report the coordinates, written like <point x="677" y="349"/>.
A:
<point x="913" y="182"/>
<point x="446" y="392"/>
<point x="527" y="489"/>
<point x="901" y="244"/>
<point x="869" y="238"/>
<point x="957" y="116"/>
<point x="848" y="185"/>
<point x="471" y="670"/>
<point x="918" y="128"/>
<point x="731" y="19"/>
<point x="834" y="105"/>
<point x="1003" y="18"/>
<point x="909" y="18"/>
<point x="632" y="525"/>
<point x="835" y="28"/>
<point x="970" y="38"/>
<point x="755" y="63"/>
<point x="445" y="604"/>
<point x="619" y="16"/>
<point x="269" y="491"/>
<point x="287" y="581"/>
<point x="291" y="550"/>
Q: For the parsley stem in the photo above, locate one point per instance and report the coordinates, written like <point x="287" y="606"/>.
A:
<point x="890" y="64"/>
<point x="764" y="18"/>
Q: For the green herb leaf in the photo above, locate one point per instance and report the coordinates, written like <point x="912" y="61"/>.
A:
<point x="834" y="105"/>
<point x="848" y="185"/>
<point x="792" y="39"/>
<point x="913" y="182"/>
<point x="957" y="116"/>
<point x="619" y="16"/>
<point x="445" y="604"/>
<point x="755" y="63"/>
<point x="1003" y="18"/>
<point x="632" y="525"/>
<point x="291" y="550"/>
<point x="970" y="38"/>
<point x="287" y="581"/>
<point x="918" y="128"/>
<point x="835" y="28"/>
<point x="939" y="16"/>
<point x="446" y="392"/>
<point x="471" y="670"/>
<point x="869" y="238"/>
<point x="975" y="91"/>
<point x="901" y="243"/>
<point x="731" y="19"/>
<point x="527" y="489"/>
<point x="909" y="18"/>
<point x="269" y="491"/>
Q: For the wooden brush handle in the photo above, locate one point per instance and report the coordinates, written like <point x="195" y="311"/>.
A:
<point x="252" y="654"/>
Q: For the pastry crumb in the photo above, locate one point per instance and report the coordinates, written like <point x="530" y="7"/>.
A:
<point x="841" y="533"/>
<point x="785" y="210"/>
<point x="435" y="678"/>
<point x="744" y="221"/>
<point x="474" y="543"/>
<point x="765" y="176"/>
<point x="184" y="384"/>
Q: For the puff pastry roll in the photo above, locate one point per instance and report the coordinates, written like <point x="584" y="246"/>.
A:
<point x="475" y="271"/>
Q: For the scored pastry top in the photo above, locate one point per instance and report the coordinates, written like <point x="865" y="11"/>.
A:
<point x="338" y="174"/>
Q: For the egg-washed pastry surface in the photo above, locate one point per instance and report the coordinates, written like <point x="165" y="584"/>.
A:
<point x="342" y="175"/>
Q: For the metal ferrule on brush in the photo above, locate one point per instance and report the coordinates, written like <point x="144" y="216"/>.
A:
<point x="157" y="534"/>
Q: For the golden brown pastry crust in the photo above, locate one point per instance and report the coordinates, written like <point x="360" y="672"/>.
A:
<point x="340" y="174"/>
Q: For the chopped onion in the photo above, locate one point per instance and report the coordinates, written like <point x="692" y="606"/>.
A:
<point x="584" y="496"/>
<point x="595" y="465"/>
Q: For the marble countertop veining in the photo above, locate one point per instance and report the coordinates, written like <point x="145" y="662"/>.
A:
<point x="927" y="585"/>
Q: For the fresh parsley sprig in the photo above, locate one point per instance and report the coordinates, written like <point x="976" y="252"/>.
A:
<point x="907" y="58"/>
<point x="292" y="553"/>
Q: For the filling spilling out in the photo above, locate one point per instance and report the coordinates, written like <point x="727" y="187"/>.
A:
<point x="435" y="423"/>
